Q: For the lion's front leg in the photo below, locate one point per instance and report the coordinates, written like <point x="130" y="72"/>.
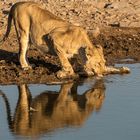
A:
<point x="67" y="70"/>
<point x="119" y="70"/>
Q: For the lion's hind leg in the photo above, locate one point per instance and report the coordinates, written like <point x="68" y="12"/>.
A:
<point x="23" y="38"/>
<point x="22" y="53"/>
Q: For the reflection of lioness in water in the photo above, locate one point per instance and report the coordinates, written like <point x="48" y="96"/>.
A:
<point x="57" y="36"/>
<point x="51" y="110"/>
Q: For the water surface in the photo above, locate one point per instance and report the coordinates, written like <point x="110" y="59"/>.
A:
<point x="91" y="109"/>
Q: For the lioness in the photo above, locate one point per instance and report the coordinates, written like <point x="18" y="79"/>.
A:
<point x="59" y="37"/>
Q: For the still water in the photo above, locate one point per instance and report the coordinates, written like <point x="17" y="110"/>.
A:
<point x="107" y="109"/>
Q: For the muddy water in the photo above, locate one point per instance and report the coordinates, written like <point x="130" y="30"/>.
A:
<point x="91" y="109"/>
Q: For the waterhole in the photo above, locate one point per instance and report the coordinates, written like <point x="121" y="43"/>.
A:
<point x="101" y="109"/>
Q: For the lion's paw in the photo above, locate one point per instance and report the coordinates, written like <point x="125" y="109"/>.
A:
<point x="87" y="73"/>
<point x="124" y="70"/>
<point x="64" y="74"/>
<point x="27" y="68"/>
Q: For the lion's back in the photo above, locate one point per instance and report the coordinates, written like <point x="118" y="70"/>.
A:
<point x="22" y="7"/>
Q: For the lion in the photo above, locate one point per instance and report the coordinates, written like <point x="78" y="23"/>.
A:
<point x="56" y="36"/>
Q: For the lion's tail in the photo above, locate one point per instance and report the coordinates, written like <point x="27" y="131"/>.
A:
<point x="8" y="28"/>
<point x="8" y="109"/>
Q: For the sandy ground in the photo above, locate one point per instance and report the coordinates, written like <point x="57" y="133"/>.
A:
<point x="118" y="43"/>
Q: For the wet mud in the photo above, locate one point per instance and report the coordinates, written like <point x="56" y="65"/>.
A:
<point x="118" y="43"/>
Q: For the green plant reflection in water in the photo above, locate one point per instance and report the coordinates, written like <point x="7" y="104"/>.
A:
<point x="51" y="110"/>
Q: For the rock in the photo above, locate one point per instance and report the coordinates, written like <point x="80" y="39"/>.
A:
<point x="115" y="24"/>
<point x="108" y="5"/>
